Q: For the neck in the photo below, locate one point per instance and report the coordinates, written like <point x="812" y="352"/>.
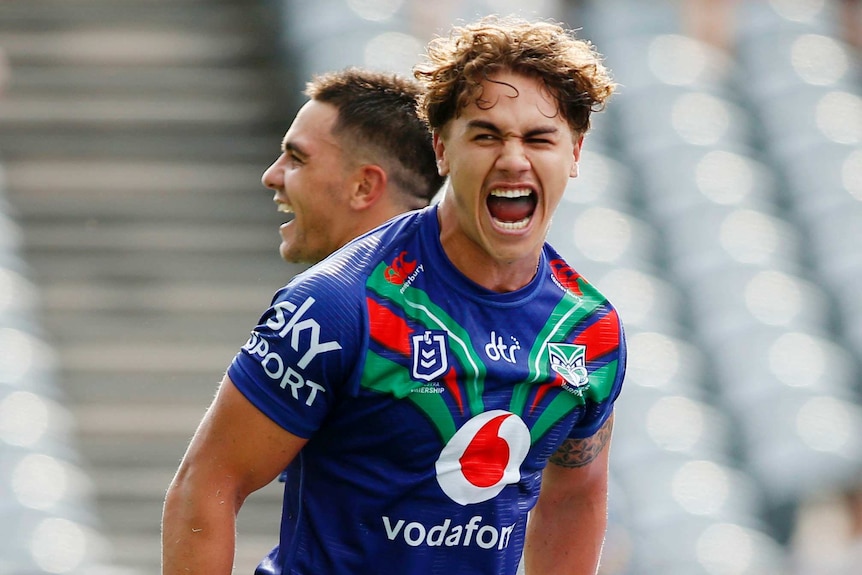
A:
<point x="495" y="273"/>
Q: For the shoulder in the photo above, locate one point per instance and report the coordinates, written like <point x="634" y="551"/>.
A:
<point x="597" y="338"/>
<point x="339" y="280"/>
<point x="568" y="278"/>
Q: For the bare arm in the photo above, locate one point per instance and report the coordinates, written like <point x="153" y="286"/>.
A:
<point x="567" y="526"/>
<point x="235" y="451"/>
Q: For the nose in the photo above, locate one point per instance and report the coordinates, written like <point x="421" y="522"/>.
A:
<point x="513" y="156"/>
<point x="273" y="176"/>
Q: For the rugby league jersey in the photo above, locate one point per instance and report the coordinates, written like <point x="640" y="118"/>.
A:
<point x="431" y="404"/>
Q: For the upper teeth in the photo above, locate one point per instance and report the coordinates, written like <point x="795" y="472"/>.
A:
<point x="511" y="193"/>
<point x="285" y="208"/>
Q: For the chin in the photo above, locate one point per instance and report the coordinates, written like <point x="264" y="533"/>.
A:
<point x="285" y="253"/>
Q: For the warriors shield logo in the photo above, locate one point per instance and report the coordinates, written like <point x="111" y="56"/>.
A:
<point x="569" y="360"/>
<point x="429" y="355"/>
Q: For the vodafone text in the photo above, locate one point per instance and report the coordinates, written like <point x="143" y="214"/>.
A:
<point x="288" y="321"/>
<point x="448" y="535"/>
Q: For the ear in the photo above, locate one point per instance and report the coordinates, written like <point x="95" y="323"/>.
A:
<point x="579" y="144"/>
<point x="440" y="152"/>
<point x="370" y="187"/>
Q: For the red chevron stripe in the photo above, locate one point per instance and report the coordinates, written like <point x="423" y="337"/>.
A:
<point x="387" y="329"/>
<point x="602" y="337"/>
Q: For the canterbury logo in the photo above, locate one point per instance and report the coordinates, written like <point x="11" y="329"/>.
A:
<point x="400" y="269"/>
<point x="567" y="277"/>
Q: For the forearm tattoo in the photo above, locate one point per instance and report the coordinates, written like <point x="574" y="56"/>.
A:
<point x="580" y="452"/>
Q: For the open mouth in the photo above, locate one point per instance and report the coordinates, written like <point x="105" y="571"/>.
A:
<point x="285" y="209"/>
<point x="512" y="209"/>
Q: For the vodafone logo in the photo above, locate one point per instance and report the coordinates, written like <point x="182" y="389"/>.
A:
<point x="483" y="457"/>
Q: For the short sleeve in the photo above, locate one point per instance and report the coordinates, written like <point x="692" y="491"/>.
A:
<point x="597" y="413"/>
<point x="300" y="355"/>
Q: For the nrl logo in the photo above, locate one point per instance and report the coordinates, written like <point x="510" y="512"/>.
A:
<point x="429" y="355"/>
<point x="569" y="360"/>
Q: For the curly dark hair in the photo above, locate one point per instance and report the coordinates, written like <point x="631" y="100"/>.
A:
<point x="378" y="118"/>
<point x="456" y="65"/>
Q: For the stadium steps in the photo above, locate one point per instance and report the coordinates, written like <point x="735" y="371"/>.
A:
<point x="133" y="137"/>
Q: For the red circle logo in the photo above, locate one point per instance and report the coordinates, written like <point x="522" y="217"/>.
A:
<point x="483" y="457"/>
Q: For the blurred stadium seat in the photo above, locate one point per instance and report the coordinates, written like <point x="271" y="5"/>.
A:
<point x="718" y="145"/>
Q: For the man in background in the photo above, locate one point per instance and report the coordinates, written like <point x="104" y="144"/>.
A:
<point x="356" y="155"/>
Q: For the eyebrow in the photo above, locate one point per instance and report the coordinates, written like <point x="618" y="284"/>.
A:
<point x="491" y="127"/>
<point x="292" y="148"/>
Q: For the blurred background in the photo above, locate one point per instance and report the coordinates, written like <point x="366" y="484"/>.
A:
<point x="719" y="207"/>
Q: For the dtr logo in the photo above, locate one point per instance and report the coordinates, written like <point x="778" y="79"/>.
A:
<point x="497" y="350"/>
<point x="483" y="457"/>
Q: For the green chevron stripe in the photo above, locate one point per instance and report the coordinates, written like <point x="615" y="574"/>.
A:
<point x="434" y="406"/>
<point x="388" y="377"/>
<point x="518" y="403"/>
<point x="557" y="409"/>
<point x="601" y="383"/>
<point x="570" y="310"/>
<point x="416" y="305"/>
<point x="385" y="376"/>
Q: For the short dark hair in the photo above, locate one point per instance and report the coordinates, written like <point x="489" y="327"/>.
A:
<point x="378" y="116"/>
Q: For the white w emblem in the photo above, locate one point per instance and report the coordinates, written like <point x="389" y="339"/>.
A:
<point x="569" y="360"/>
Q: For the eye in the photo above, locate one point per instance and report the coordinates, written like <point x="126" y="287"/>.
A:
<point x="293" y="160"/>
<point x="485" y="138"/>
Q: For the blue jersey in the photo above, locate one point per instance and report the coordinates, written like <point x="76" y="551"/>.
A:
<point x="431" y="404"/>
